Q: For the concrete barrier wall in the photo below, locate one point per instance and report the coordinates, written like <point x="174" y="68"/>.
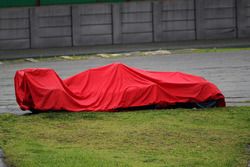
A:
<point x="136" y="24"/>
<point x="123" y="23"/>
<point x="14" y="28"/>
<point x="243" y="18"/>
<point x="51" y="26"/>
<point x="216" y="19"/>
<point x="174" y="20"/>
<point x="92" y="24"/>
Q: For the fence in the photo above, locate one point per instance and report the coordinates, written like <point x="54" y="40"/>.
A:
<point x="120" y="23"/>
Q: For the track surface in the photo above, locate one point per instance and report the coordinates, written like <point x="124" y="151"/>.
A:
<point x="230" y="71"/>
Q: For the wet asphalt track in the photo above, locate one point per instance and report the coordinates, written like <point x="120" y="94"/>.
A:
<point x="230" y="71"/>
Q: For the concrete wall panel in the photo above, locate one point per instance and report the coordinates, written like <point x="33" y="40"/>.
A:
<point x="137" y="17"/>
<point x="96" y="19"/>
<point x="136" y="7"/>
<point x="120" y="23"/>
<point x="14" y="28"/>
<point x="133" y="22"/>
<point x="92" y="24"/>
<point x="178" y="35"/>
<point x="51" y="26"/>
<point x="216" y="19"/>
<point x="95" y="39"/>
<point x="178" y="5"/>
<point x="243" y="18"/>
<point x="138" y="38"/>
<point x="96" y="30"/>
<point x="174" y="20"/>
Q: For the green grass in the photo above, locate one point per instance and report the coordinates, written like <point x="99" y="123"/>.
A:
<point x="150" y="138"/>
<point x="212" y="50"/>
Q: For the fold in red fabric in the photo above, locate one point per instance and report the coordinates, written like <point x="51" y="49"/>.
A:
<point x="109" y="88"/>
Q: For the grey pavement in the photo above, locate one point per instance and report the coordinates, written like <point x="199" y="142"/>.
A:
<point x="12" y="54"/>
<point x="230" y="71"/>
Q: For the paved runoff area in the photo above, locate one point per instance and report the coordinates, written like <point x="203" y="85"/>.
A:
<point x="230" y="71"/>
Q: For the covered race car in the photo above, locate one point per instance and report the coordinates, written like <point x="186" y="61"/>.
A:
<point x="111" y="88"/>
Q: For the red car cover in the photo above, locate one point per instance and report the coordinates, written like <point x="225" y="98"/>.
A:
<point x="108" y="88"/>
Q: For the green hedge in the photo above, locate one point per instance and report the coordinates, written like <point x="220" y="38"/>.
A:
<point x="16" y="3"/>
<point x="20" y="3"/>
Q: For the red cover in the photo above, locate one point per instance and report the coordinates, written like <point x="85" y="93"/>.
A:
<point x="108" y="88"/>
